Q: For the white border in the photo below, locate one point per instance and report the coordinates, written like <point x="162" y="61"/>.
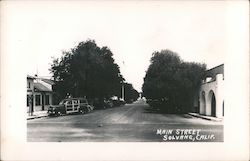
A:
<point x="235" y="147"/>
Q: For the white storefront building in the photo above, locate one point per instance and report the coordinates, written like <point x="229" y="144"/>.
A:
<point x="211" y="96"/>
<point x="39" y="94"/>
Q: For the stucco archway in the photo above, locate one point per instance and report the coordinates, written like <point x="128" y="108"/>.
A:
<point x="212" y="103"/>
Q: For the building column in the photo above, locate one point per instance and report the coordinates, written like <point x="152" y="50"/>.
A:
<point x="202" y="101"/>
<point x="219" y="95"/>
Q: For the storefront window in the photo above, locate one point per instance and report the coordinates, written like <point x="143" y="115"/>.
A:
<point x="38" y="100"/>
<point x="46" y="99"/>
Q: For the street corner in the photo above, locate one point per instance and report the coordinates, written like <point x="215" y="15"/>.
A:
<point x="37" y="115"/>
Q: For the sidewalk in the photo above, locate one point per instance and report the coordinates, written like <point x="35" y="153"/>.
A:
<point x="37" y="114"/>
<point x="206" y="117"/>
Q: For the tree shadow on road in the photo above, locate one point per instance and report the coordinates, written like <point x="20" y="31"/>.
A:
<point x="161" y="111"/>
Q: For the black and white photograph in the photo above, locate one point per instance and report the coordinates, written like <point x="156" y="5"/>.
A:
<point x="124" y="74"/>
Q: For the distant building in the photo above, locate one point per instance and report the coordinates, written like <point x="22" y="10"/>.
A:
<point x="211" y="96"/>
<point x="39" y="93"/>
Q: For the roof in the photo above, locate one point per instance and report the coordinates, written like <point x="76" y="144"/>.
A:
<point x="41" y="87"/>
<point x="215" y="70"/>
<point x="75" y="98"/>
<point x="30" y="77"/>
<point x="49" y="81"/>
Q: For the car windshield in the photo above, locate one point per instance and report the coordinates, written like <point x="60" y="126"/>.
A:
<point x="83" y="101"/>
<point x="62" y="102"/>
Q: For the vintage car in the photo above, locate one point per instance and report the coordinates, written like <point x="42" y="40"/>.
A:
<point x="102" y="103"/>
<point x="71" y="105"/>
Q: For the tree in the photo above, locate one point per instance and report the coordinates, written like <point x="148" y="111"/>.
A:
<point x="172" y="81"/>
<point x="86" y="70"/>
<point x="130" y="93"/>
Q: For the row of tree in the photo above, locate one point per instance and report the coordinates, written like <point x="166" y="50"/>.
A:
<point x="170" y="83"/>
<point x="89" y="70"/>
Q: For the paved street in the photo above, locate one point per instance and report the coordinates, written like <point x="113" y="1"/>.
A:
<point x="132" y="122"/>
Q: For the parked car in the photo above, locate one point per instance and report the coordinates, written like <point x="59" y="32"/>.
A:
<point x="98" y="103"/>
<point x="117" y="102"/>
<point x="122" y="102"/>
<point x="129" y="101"/>
<point x="108" y="103"/>
<point x="71" y="105"/>
<point x="102" y="103"/>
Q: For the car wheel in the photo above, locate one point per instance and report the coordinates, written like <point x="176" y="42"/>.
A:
<point x="81" y="111"/>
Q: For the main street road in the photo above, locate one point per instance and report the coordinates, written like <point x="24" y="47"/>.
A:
<point x="132" y="122"/>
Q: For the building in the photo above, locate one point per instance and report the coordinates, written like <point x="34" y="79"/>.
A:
<point x="30" y="92"/>
<point x="39" y="94"/>
<point x="211" y="98"/>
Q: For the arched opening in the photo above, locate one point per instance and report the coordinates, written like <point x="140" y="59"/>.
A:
<point x="213" y="106"/>
<point x="203" y="103"/>
<point x="212" y="102"/>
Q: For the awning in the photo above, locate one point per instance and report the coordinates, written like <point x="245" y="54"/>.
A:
<point x="40" y="87"/>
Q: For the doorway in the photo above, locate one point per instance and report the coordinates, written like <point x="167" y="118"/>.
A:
<point x="213" y="104"/>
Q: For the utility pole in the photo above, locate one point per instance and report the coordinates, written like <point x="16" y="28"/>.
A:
<point x="122" y="91"/>
<point x="122" y="88"/>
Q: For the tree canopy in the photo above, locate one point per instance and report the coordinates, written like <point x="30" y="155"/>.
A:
<point x="130" y="93"/>
<point x="86" y="70"/>
<point x="171" y="79"/>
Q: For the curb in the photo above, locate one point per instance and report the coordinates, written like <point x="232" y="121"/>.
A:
<point x="205" y="117"/>
<point x="37" y="117"/>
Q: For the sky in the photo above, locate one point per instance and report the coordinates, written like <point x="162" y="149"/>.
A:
<point x="133" y="30"/>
